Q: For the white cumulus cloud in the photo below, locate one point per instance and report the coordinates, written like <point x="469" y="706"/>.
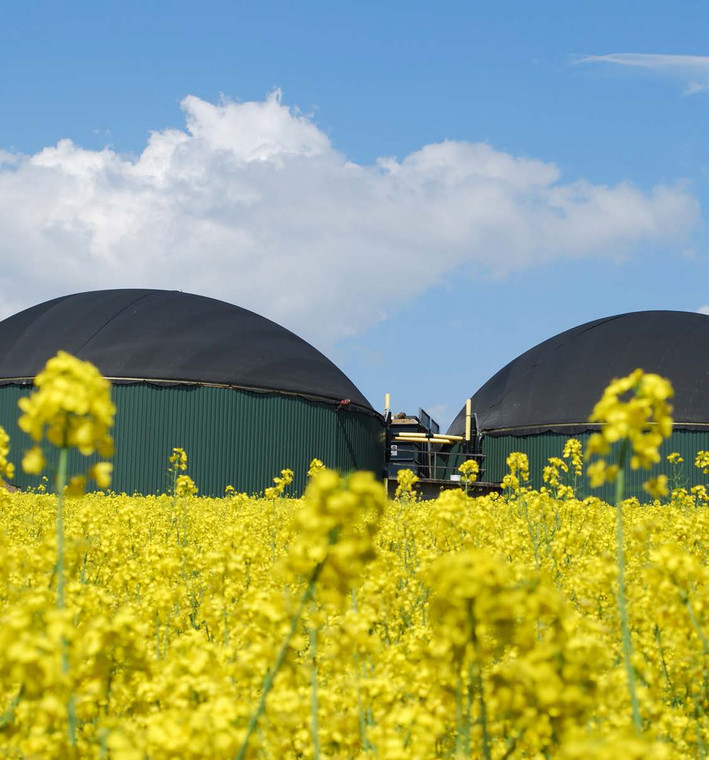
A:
<point x="703" y="310"/>
<point x="251" y="203"/>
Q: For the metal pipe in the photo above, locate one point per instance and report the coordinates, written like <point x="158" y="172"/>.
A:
<point x="433" y="437"/>
<point x="421" y="439"/>
<point x="468" y="417"/>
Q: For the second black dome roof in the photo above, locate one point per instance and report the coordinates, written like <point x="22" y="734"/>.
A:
<point x="554" y="386"/>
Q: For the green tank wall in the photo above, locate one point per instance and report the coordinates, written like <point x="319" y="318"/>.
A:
<point x="540" y="447"/>
<point x="232" y="437"/>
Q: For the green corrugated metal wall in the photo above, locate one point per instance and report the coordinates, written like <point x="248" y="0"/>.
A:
<point x="232" y="437"/>
<point x="540" y="447"/>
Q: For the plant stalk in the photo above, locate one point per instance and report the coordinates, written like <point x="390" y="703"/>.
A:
<point x="60" y="484"/>
<point x="622" y="603"/>
<point x="314" y="683"/>
<point x="478" y="684"/>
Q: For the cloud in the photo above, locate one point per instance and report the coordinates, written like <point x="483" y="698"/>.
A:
<point x="251" y="203"/>
<point x="692" y="70"/>
<point x="703" y="310"/>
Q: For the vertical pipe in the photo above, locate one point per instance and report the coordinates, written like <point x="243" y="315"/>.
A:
<point x="388" y="438"/>
<point x="468" y="416"/>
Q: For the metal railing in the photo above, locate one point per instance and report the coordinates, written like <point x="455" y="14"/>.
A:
<point x="433" y="465"/>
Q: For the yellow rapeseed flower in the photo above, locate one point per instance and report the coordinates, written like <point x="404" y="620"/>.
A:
<point x="71" y="407"/>
<point x="178" y="460"/>
<point x="101" y="473"/>
<point x="633" y="408"/>
<point x="281" y="483"/>
<point x="7" y="469"/>
<point x="573" y="450"/>
<point x="469" y="470"/>
<point x="185" y="486"/>
<point x="702" y="461"/>
<point x="518" y="464"/>
<point x="405" y="479"/>
<point x="657" y="487"/>
<point x="315" y="466"/>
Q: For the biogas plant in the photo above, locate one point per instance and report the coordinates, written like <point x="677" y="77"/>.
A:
<point x="247" y="398"/>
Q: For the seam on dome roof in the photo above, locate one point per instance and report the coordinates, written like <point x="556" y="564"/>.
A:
<point x="108" y="321"/>
<point x="331" y="400"/>
<point x="553" y="426"/>
<point x="334" y="400"/>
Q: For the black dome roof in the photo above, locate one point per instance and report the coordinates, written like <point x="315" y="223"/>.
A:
<point x="554" y="386"/>
<point x="162" y="335"/>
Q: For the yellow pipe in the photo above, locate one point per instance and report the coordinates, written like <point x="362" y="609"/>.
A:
<point x="468" y="418"/>
<point x="387" y="403"/>
<point x="422" y="439"/>
<point x="405" y="434"/>
<point x="439" y="437"/>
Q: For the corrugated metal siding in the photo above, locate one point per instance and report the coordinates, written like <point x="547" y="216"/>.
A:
<point x="540" y="447"/>
<point x="231" y="437"/>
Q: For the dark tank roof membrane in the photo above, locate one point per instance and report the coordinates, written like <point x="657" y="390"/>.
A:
<point x="169" y="336"/>
<point x="554" y="386"/>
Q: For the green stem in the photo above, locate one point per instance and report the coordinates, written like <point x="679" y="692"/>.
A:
<point x="459" y="711"/>
<point x="280" y="659"/>
<point x="695" y="623"/>
<point x="469" y="711"/>
<point x="9" y="716"/>
<point x="658" y="638"/>
<point x="622" y="604"/>
<point x="60" y="484"/>
<point x="314" y="683"/>
<point x="479" y="684"/>
<point x="366" y="746"/>
<point x="700" y="743"/>
<point x="698" y="710"/>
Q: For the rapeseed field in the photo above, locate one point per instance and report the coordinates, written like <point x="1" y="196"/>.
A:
<point x="524" y="624"/>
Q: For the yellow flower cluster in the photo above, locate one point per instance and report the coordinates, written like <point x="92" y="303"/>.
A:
<point x="562" y="475"/>
<point x="573" y="450"/>
<point x="316" y="466"/>
<point x="7" y="469"/>
<point x="281" y="483"/>
<point x="657" y="487"/>
<point x="551" y="474"/>
<point x="469" y="471"/>
<point x="702" y="461"/>
<point x="336" y="527"/>
<point x="518" y="464"/>
<point x="633" y="409"/>
<point x="71" y="407"/>
<point x="178" y="460"/>
<point x="405" y="481"/>
<point x="185" y="486"/>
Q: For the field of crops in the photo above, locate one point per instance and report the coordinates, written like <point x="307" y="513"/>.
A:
<point x="462" y="627"/>
<point x="522" y="624"/>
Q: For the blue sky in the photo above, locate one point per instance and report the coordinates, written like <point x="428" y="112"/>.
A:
<point x="439" y="187"/>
